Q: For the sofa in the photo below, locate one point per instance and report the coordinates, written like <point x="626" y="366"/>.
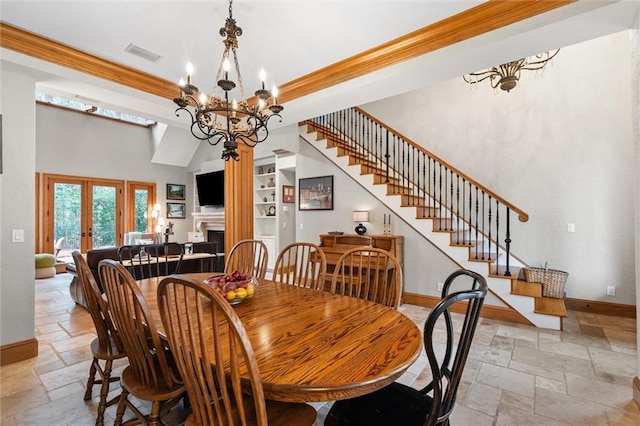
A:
<point x="94" y="256"/>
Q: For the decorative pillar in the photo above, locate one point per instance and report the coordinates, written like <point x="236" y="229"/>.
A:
<point x="238" y="198"/>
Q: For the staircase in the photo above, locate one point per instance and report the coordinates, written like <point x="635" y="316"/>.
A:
<point x="465" y="220"/>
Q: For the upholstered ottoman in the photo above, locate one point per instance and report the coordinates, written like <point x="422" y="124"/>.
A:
<point x="45" y="265"/>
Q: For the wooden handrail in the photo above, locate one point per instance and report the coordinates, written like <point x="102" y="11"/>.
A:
<point x="522" y="215"/>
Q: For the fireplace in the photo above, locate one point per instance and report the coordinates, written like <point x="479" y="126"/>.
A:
<point x="216" y="237"/>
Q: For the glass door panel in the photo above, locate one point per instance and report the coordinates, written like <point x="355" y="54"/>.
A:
<point x="67" y="222"/>
<point x="103" y="206"/>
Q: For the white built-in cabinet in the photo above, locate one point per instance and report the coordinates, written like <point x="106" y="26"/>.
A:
<point x="265" y="227"/>
<point x="273" y="219"/>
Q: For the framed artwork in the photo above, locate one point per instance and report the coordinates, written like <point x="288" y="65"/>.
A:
<point x="315" y="193"/>
<point x="175" y="191"/>
<point x="176" y="210"/>
<point x="288" y="194"/>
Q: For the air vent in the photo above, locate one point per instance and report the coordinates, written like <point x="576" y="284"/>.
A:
<point x="142" y="53"/>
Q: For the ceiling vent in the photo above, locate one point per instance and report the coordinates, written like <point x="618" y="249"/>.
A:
<point x="142" y="53"/>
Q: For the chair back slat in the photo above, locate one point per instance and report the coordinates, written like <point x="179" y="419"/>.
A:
<point x="148" y="358"/>
<point x="212" y="352"/>
<point x="447" y="372"/>
<point x="100" y="315"/>
<point x="248" y="257"/>
<point x="301" y="264"/>
<point x="369" y="273"/>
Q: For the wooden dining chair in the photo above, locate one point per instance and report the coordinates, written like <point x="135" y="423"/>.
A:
<point x="369" y="273"/>
<point x="150" y="375"/>
<point x="248" y="257"/>
<point x="301" y="264"/>
<point x="399" y="404"/>
<point x="215" y="357"/>
<point x="107" y="346"/>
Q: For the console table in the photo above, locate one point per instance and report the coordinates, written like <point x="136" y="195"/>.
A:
<point x="335" y="246"/>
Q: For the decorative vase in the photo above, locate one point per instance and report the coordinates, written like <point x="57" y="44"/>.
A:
<point x="271" y="183"/>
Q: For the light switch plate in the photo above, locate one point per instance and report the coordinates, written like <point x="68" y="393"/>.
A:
<point x="17" y="236"/>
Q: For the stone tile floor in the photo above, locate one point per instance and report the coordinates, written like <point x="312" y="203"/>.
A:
<point x="515" y="374"/>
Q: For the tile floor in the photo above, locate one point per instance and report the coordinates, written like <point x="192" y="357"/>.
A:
<point x="515" y="374"/>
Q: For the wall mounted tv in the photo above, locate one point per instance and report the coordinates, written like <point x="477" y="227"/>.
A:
<point x="210" y="188"/>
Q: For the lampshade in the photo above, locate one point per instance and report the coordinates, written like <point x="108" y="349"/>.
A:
<point x="361" y="216"/>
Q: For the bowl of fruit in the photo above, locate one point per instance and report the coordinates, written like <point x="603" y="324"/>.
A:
<point x="235" y="287"/>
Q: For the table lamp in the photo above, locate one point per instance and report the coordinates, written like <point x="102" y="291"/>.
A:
<point x="359" y="217"/>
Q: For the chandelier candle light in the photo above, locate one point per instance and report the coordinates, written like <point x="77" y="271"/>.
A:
<point x="506" y="76"/>
<point x="214" y="117"/>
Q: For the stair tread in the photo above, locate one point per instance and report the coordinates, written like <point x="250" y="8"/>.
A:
<point x="550" y="306"/>
<point x="524" y="288"/>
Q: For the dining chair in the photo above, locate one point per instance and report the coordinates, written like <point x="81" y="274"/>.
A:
<point x="166" y="258"/>
<point x="208" y="264"/>
<point x="150" y="375"/>
<point x="399" y="404"/>
<point x="369" y="273"/>
<point x="152" y="260"/>
<point x="107" y="346"/>
<point x="212" y="351"/>
<point x="248" y="257"/>
<point x="301" y="264"/>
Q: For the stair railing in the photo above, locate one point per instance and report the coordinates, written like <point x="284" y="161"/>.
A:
<point x="474" y="215"/>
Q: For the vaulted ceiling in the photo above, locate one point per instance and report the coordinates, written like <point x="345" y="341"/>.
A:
<point x="323" y="55"/>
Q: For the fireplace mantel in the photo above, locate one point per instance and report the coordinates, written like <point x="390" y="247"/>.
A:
<point x="209" y="221"/>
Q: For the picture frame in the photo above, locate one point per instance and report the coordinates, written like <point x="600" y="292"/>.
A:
<point x="175" y="191"/>
<point x="315" y="193"/>
<point x="288" y="194"/>
<point x="176" y="210"/>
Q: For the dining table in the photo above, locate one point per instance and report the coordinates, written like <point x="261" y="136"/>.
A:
<point x="312" y="345"/>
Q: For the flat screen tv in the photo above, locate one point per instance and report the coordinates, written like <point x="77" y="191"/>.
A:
<point x="210" y="188"/>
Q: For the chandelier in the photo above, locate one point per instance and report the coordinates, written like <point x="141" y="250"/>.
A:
<point x="506" y="76"/>
<point x="215" y="118"/>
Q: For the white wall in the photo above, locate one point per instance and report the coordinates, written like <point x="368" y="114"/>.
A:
<point x="424" y="265"/>
<point x="17" y="206"/>
<point x="81" y="145"/>
<point x="560" y="146"/>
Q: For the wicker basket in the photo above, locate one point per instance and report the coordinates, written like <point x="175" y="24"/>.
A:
<point x="552" y="280"/>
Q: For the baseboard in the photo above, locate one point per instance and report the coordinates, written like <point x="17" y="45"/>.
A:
<point x="602" y="308"/>
<point x="488" y="311"/>
<point x="636" y="390"/>
<point x="18" y="351"/>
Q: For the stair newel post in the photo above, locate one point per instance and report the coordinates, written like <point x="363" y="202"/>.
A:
<point x="507" y="241"/>
<point x="483" y="222"/>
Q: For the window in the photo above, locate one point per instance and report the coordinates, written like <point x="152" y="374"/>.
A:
<point x="141" y="197"/>
<point x="84" y="107"/>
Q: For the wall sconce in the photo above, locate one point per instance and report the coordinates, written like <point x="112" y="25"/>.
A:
<point x="359" y="217"/>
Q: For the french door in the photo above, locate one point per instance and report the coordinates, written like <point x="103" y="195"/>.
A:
<point x="82" y="213"/>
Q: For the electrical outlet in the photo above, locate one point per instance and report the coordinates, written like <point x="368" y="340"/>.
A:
<point x="611" y="290"/>
<point x="440" y="286"/>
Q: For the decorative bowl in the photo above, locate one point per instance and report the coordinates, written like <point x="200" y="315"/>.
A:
<point x="235" y="287"/>
<point x="335" y="232"/>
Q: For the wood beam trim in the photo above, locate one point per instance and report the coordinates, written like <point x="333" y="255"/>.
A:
<point x="473" y="22"/>
<point x="60" y="54"/>
<point x="470" y="23"/>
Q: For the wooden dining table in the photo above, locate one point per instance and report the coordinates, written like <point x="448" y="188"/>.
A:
<point x="314" y="346"/>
